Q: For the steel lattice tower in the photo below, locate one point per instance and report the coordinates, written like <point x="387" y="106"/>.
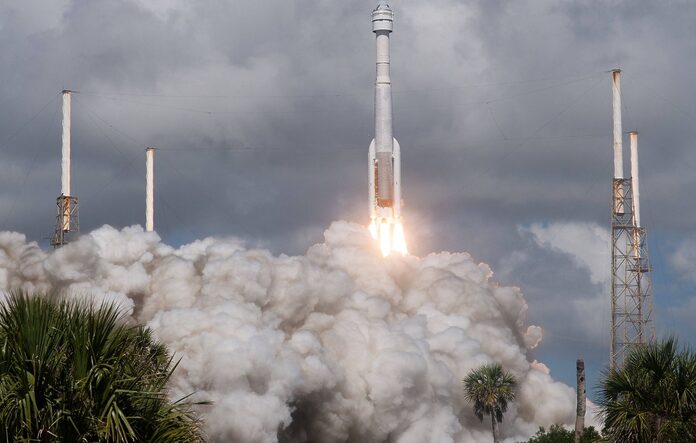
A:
<point x="67" y="221"/>
<point x="631" y="284"/>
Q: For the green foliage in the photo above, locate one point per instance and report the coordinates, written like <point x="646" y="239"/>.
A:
<point x="490" y="388"/>
<point x="71" y="372"/>
<point x="652" y="397"/>
<point x="558" y="434"/>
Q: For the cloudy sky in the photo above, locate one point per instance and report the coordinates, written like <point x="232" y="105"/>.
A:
<point x="262" y="114"/>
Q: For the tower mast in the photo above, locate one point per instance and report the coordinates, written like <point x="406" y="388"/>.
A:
<point x="67" y="219"/>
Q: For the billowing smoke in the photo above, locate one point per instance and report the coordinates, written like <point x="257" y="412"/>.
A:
<point x="336" y="345"/>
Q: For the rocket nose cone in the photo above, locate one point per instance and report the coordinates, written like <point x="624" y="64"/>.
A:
<point x="382" y="5"/>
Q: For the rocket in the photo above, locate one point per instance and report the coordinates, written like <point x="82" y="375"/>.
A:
<point x="384" y="166"/>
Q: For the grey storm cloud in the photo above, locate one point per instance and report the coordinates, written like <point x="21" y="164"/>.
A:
<point x="262" y="114"/>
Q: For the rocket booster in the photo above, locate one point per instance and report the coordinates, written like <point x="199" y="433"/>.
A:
<point x="382" y="25"/>
<point x="384" y="153"/>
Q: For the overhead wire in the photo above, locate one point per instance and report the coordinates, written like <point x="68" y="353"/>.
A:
<point x="204" y="193"/>
<point x="344" y="94"/>
<point x="658" y="254"/>
<point x="525" y="140"/>
<point x="245" y="111"/>
<point x="6" y="97"/>
<point x="99" y="121"/>
<point x="27" y="122"/>
<point x="552" y="335"/>
<point x="543" y="88"/>
<point x="109" y="125"/>
<point x="132" y="166"/>
<point x="322" y="148"/>
<point x="659" y="279"/>
<point x="96" y="118"/>
<point x="129" y="163"/>
<point x="665" y="99"/>
<point x="577" y="99"/>
<point x="495" y="121"/>
<point x="357" y="149"/>
<point x="27" y="172"/>
<point x="591" y="185"/>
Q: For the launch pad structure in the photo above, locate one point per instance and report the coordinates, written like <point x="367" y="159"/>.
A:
<point x="67" y="217"/>
<point x="631" y="283"/>
<point x="67" y="221"/>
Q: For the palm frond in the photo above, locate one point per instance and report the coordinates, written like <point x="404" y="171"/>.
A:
<point x="652" y="397"/>
<point x="73" y="371"/>
<point x="490" y="388"/>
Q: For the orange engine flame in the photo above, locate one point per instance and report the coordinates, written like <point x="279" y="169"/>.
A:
<point x="389" y="233"/>
<point x="399" y="239"/>
<point x="373" y="229"/>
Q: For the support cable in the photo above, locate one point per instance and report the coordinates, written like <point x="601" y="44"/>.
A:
<point x="27" y="122"/>
<point x="29" y="168"/>
<point x="119" y="98"/>
<point x="576" y="100"/>
<point x="467" y="86"/>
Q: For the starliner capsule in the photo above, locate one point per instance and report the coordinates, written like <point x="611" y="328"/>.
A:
<point x="384" y="166"/>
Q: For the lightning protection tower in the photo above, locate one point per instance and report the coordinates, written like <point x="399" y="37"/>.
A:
<point x="67" y="220"/>
<point x="631" y="285"/>
<point x="149" y="189"/>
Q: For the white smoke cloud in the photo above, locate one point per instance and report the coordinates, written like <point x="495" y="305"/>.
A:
<point x="336" y="345"/>
<point x="683" y="259"/>
<point x="588" y="246"/>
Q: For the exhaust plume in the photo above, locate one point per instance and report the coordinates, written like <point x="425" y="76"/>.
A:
<point x="338" y="344"/>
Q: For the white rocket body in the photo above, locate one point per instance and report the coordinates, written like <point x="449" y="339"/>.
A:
<point x="384" y="166"/>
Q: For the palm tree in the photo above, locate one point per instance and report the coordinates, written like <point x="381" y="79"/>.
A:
<point x="72" y="372"/>
<point x="652" y="397"/>
<point x="490" y="388"/>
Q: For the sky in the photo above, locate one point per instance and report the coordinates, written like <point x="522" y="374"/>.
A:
<point x="262" y="113"/>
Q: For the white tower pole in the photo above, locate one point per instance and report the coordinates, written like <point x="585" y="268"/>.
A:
<point x="634" y="176"/>
<point x="618" y="147"/>
<point x="65" y="162"/>
<point x="618" y="183"/>
<point x="150" y="189"/>
<point x="636" y="193"/>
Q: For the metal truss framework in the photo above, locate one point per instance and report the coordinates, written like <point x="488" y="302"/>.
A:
<point x="631" y="284"/>
<point x="67" y="221"/>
